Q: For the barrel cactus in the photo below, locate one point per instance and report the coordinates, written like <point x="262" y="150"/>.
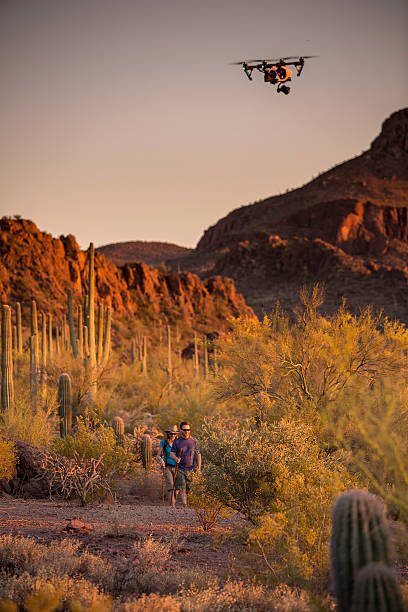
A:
<point x="377" y="589"/>
<point x="118" y="427"/>
<point x="65" y="404"/>
<point x="360" y="536"/>
<point x="146" y="448"/>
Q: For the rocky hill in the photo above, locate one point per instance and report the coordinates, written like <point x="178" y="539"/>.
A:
<point x="33" y="264"/>
<point x="348" y="228"/>
<point x="151" y="253"/>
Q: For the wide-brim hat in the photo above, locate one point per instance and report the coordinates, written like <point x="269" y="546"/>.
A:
<point x="173" y="429"/>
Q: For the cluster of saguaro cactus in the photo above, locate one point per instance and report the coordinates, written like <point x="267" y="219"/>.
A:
<point x="360" y="538"/>
<point x="65" y="404"/>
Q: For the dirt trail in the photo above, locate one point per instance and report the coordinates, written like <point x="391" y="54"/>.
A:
<point x="112" y="529"/>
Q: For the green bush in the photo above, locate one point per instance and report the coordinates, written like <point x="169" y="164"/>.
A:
<point x="278" y="477"/>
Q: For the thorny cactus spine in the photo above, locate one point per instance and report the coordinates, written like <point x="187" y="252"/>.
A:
<point x="7" y="387"/>
<point x="146" y="447"/>
<point x="65" y="404"/>
<point x="359" y="536"/>
<point x="377" y="589"/>
<point x="118" y="427"/>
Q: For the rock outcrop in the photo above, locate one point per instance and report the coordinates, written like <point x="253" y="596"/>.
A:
<point x="347" y="228"/>
<point x="33" y="264"/>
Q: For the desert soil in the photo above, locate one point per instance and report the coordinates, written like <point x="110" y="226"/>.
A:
<point x="111" y="529"/>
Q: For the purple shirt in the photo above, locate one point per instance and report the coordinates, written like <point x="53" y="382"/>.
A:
<point x="188" y="445"/>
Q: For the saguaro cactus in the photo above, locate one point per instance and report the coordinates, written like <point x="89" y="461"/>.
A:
<point x="91" y="359"/>
<point x="7" y="387"/>
<point x="377" y="589"/>
<point x="19" y="329"/>
<point x="50" y="345"/>
<point x="34" y="325"/>
<point x="118" y="427"/>
<point x="196" y="361"/>
<point x="72" y="334"/>
<point x="43" y="373"/>
<point x="106" y="339"/>
<point x="100" y="334"/>
<point x="146" y="447"/>
<point x="65" y="404"/>
<point x="360" y="536"/>
<point x="80" y="326"/>
<point x="144" y="357"/>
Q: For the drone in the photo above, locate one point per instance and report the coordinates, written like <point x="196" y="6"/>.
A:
<point x="275" y="71"/>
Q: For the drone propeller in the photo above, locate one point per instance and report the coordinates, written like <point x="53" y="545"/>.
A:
<point x="275" y="60"/>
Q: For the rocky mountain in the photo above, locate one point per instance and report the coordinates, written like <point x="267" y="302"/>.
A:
<point x="33" y="264"/>
<point x="348" y="229"/>
<point x="151" y="253"/>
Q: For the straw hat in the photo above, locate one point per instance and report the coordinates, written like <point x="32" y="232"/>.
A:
<point x="173" y="429"/>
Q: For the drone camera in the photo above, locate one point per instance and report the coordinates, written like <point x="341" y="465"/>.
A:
<point x="284" y="89"/>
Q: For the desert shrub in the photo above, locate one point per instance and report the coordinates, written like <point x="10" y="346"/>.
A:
<point x="374" y="432"/>
<point x="277" y="475"/>
<point x="7" y="459"/>
<point x="92" y="441"/>
<point x="303" y="366"/>
<point x="207" y="508"/>
<point x="27" y="422"/>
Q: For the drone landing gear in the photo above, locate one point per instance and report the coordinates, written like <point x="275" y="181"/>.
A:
<point x="282" y="88"/>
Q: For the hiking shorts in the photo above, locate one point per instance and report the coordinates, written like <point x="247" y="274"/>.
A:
<point x="169" y="478"/>
<point x="183" y="480"/>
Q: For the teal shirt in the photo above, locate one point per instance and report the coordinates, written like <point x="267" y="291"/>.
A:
<point x="166" y="454"/>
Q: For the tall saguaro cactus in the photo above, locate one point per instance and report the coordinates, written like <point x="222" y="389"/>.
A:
<point x="72" y="334"/>
<point x="50" y="345"/>
<point x="19" y="329"/>
<point x="106" y="347"/>
<point x="7" y="386"/>
<point x="80" y="327"/>
<point x="91" y="360"/>
<point x="65" y="404"/>
<point x="44" y="352"/>
<point x="360" y="536"/>
<point x="34" y="324"/>
<point x="99" y="334"/>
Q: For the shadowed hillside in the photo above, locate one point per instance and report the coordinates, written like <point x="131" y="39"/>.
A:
<point x="151" y="253"/>
<point x="348" y="229"/>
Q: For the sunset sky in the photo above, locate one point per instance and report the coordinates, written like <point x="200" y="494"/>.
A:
<point x="123" y="120"/>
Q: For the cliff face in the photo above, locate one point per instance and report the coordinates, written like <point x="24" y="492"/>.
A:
<point x="348" y="228"/>
<point x="33" y="264"/>
<point x="379" y="176"/>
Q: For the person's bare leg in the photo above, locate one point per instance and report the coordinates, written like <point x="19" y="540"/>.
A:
<point x="183" y="495"/>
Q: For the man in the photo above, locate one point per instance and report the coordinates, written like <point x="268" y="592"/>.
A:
<point x="184" y="451"/>
<point x="168" y="464"/>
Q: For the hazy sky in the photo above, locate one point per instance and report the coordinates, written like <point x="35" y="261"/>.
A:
<point x="122" y="120"/>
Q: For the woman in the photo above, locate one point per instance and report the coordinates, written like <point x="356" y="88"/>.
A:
<point x="167" y="463"/>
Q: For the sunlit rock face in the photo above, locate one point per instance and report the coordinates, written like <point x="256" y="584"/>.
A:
<point x="34" y="265"/>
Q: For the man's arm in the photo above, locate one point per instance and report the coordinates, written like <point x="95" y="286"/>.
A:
<point x="173" y="451"/>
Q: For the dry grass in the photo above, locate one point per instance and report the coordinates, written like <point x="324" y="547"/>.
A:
<point x="59" y="575"/>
